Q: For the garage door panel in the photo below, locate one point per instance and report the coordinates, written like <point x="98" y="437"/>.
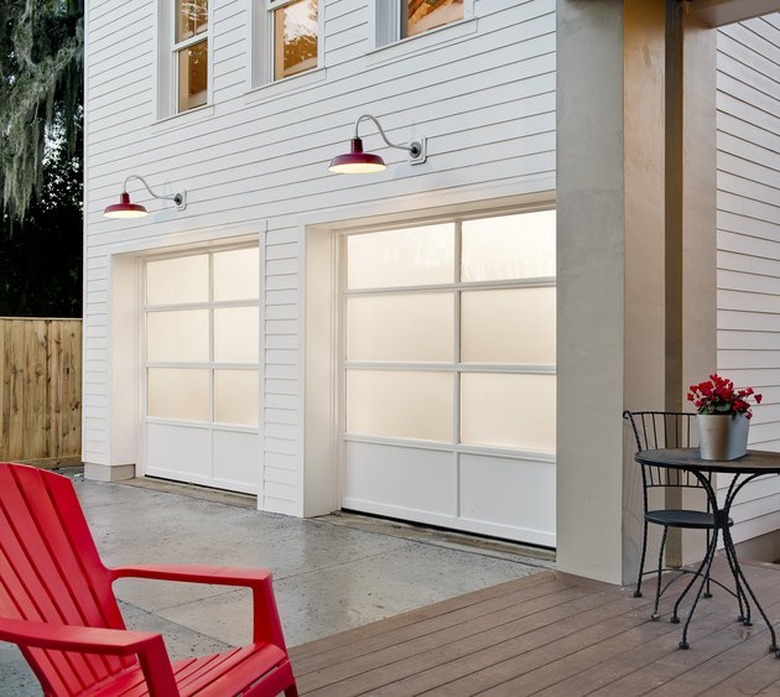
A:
<point x="404" y="478"/>
<point x="448" y="374"/>
<point x="178" y="452"/>
<point x="516" y="493"/>
<point x="235" y="455"/>
<point x="201" y="353"/>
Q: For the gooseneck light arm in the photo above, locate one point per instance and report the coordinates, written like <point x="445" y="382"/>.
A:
<point x="414" y="148"/>
<point x="179" y="198"/>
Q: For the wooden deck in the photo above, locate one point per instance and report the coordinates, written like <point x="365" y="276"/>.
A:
<point x="551" y="634"/>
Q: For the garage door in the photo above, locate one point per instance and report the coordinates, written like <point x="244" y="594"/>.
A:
<point x="201" y="337"/>
<point x="449" y="375"/>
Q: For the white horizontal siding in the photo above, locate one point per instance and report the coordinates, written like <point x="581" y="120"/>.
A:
<point x="748" y="301"/>
<point x="483" y="93"/>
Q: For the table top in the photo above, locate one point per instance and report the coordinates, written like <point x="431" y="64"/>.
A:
<point x="755" y="462"/>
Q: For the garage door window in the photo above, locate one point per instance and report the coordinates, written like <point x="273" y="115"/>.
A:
<point x="202" y="334"/>
<point x="450" y="333"/>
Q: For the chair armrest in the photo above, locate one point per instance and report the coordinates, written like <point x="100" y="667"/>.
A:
<point x="267" y="627"/>
<point x="149" y="647"/>
<point x="118" y="642"/>
<point x="193" y="573"/>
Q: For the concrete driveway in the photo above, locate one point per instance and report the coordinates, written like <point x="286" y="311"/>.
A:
<point x="330" y="574"/>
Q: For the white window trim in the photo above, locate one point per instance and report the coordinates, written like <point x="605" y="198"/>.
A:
<point x="261" y="42"/>
<point x="167" y="94"/>
<point x="385" y="23"/>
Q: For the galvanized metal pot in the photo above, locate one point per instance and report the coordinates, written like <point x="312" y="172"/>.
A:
<point x="722" y="436"/>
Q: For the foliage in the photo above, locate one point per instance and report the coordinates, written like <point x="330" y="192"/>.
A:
<point x="40" y="257"/>
<point x="41" y="84"/>
<point x="718" y="396"/>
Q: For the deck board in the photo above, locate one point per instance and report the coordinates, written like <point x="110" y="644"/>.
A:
<point x="551" y="635"/>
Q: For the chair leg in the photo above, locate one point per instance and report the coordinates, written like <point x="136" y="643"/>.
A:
<point x="291" y="691"/>
<point x="638" y="591"/>
<point x="708" y="587"/>
<point x="659" y="575"/>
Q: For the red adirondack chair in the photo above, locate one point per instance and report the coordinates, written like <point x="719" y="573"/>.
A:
<point x="57" y="605"/>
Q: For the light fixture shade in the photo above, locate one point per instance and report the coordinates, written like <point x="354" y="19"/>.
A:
<point x="125" y="209"/>
<point x="356" y="161"/>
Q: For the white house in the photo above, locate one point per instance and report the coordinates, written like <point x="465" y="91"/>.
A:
<point x="451" y="340"/>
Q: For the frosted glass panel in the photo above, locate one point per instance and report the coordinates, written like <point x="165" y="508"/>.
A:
<point x="508" y="326"/>
<point x="513" y="246"/>
<point x="179" y="393"/>
<point x="416" y="327"/>
<point x="236" y="274"/>
<point x="400" y="404"/>
<point x="235" y="397"/>
<point x="236" y="334"/>
<point x="504" y="410"/>
<point x="175" y="281"/>
<point x="180" y="335"/>
<point x="395" y="258"/>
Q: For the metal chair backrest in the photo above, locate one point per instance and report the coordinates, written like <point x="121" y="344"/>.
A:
<point x="51" y="572"/>
<point x="664" y="429"/>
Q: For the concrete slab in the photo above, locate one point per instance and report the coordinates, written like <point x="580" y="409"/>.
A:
<point x="330" y="574"/>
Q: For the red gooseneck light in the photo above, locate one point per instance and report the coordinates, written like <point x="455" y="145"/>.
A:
<point x="127" y="209"/>
<point x="356" y="161"/>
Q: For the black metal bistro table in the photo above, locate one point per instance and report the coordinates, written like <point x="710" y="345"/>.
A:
<point x="745" y="469"/>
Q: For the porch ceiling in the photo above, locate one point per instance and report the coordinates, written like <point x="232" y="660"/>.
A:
<point x="716" y="13"/>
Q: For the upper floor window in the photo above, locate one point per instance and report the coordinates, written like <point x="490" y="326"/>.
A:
<point x="399" y="19"/>
<point x="294" y="36"/>
<point x="190" y="53"/>
<point x="418" y="16"/>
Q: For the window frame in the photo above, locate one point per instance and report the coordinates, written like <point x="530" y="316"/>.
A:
<point x="168" y="49"/>
<point x="263" y="43"/>
<point x="177" y="47"/>
<point x="388" y="16"/>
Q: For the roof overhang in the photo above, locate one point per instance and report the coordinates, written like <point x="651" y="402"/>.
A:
<point x="716" y="13"/>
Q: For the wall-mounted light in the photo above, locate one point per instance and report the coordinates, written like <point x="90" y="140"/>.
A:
<point x="358" y="162"/>
<point x="126" y="209"/>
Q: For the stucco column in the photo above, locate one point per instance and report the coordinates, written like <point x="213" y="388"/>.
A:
<point x="591" y="268"/>
<point x="633" y="327"/>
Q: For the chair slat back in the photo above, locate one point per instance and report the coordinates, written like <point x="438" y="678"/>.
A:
<point x="664" y="429"/>
<point x="50" y="571"/>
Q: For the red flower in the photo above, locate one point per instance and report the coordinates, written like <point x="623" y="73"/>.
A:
<point x="718" y="396"/>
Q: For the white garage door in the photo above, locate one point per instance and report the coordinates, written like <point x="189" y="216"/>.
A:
<point x="449" y="375"/>
<point x="201" y="342"/>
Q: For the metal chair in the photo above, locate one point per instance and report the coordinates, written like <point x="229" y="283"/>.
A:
<point x="667" y="429"/>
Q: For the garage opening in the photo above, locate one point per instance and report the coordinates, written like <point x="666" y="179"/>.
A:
<point x="448" y="374"/>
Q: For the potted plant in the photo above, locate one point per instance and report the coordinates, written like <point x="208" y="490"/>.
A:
<point x="723" y="417"/>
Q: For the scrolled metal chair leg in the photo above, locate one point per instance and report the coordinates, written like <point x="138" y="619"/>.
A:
<point x="656" y="614"/>
<point x="638" y="590"/>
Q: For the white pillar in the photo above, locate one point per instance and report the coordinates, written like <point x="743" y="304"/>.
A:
<point x="633" y="327"/>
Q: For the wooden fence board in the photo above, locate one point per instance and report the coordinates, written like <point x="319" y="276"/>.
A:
<point x="15" y="358"/>
<point x="40" y="390"/>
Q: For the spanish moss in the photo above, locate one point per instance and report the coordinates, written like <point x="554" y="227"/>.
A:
<point x="41" y="87"/>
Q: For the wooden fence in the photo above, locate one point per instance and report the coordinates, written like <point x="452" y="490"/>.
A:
<point x="40" y="390"/>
